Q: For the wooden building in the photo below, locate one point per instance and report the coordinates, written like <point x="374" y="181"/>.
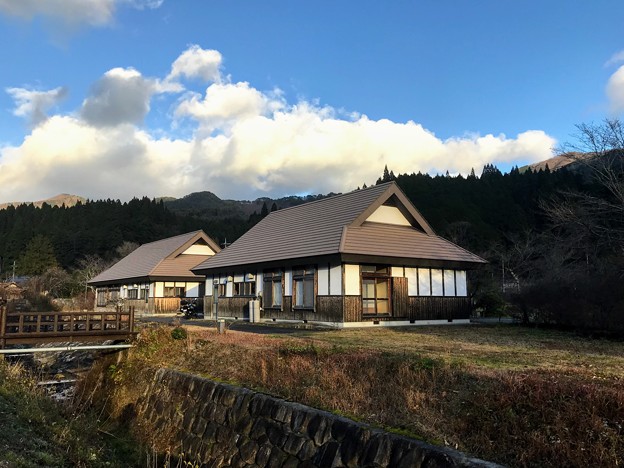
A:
<point x="156" y="276"/>
<point x="362" y="258"/>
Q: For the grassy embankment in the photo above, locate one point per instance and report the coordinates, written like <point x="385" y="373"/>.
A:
<point x="518" y="396"/>
<point x="35" y="431"/>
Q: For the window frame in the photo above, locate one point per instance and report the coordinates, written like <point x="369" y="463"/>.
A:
<point x="269" y="281"/>
<point x="300" y="277"/>
<point x="380" y="274"/>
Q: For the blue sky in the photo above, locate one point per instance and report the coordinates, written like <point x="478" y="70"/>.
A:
<point x="123" y="98"/>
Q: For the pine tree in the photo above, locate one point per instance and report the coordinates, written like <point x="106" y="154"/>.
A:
<point x="38" y="257"/>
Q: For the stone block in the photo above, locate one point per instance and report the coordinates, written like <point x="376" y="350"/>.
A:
<point x="277" y="458"/>
<point x="282" y="413"/>
<point x="199" y="427"/>
<point x="243" y="425"/>
<point x="319" y="429"/>
<point x="227" y="397"/>
<point x="210" y="434"/>
<point x="248" y="451"/>
<point x="308" y="450"/>
<point x="377" y="450"/>
<point x="256" y="404"/>
<point x="340" y="428"/>
<point x="328" y="455"/>
<point x="413" y="457"/>
<point x="258" y="428"/>
<point x="291" y="462"/>
<point x="276" y="434"/>
<point x="263" y="455"/>
<point x="293" y="444"/>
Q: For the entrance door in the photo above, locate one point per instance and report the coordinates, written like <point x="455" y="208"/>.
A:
<point x="376" y="291"/>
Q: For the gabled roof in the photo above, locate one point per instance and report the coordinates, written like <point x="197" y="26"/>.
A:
<point x="160" y="259"/>
<point x="337" y="225"/>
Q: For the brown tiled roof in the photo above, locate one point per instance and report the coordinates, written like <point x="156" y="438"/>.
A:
<point x="316" y="229"/>
<point x="389" y="240"/>
<point x="158" y="259"/>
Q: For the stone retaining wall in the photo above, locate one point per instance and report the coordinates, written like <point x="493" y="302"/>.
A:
<point x="215" y="424"/>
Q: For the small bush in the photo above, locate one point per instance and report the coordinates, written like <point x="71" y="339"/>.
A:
<point x="179" y="333"/>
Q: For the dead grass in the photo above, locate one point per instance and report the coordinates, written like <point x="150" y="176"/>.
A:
<point x="517" y="396"/>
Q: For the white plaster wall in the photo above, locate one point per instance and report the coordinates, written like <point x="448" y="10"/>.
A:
<point x="323" y="280"/>
<point x="209" y="285"/>
<point x="412" y="281"/>
<point x="288" y="282"/>
<point x="160" y="289"/>
<point x="449" y="282"/>
<point x="396" y="272"/>
<point x="424" y="282"/>
<point x="460" y="279"/>
<point x="259" y="283"/>
<point x="152" y="290"/>
<point x="229" y="289"/>
<point x="198" y="250"/>
<point x="388" y="215"/>
<point x="352" y="280"/>
<point x="239" y="278"/>
<point x="436" y="282"/>
<point x="192" y="289"/>
<point x="335" y="280"/>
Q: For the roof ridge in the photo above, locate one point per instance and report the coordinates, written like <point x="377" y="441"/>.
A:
<point x="171" y="237"/>
<point x="332" y="197"/>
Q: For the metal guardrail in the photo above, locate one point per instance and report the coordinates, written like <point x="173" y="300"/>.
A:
<point x="47" y="327"/>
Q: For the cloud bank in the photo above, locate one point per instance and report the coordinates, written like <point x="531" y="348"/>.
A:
<point x="240" y="142"/>
<point x="72" y="12"/>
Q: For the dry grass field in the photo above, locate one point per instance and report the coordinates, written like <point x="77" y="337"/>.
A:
<point x="515" y="395"/>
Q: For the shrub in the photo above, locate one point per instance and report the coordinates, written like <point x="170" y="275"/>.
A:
<point x="179" y="333"/>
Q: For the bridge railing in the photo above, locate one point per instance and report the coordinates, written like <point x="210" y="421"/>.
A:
<point x="43" y="327"/>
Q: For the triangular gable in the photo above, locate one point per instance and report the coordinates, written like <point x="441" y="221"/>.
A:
<point x="199" y="236"/>
<point x="393" y="196"/>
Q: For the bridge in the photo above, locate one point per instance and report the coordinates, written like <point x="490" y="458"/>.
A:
<point x="49" y="327"/>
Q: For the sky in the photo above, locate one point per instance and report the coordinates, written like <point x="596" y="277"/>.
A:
<point x="129" y="98"/>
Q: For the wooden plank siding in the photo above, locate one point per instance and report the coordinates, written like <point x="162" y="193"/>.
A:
<point x="439" y="308"/>
<point x="234" y="307"/>
<point x="329" y="309"/>
<point x="400" y="299"/>
<point x="353" y="308"/>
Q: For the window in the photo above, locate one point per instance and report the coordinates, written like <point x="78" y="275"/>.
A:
<point x="133" y="293"/>
<point x="144" y="293"/>
<point x="375" y="290"/>
<point x="101" y="298"/>
<point x="303" y="282"/>
<point x="272" y="290"/>
<point x="222" y="290"/>
<point x="245" y="288"/>
<point x="175" y="291"/>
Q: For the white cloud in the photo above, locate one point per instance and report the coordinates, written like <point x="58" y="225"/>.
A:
<point x="615" y="91"/>
<point x="257" y="144"/>
<point x="196" y="62"/>
<point x="225" y="104"/>
<point x="72" y="12"/>
<point x="616" y="58"/>
<point x="122" y="95"/>
<point x="33" y="105"/>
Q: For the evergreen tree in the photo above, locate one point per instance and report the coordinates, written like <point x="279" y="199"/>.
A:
<point x="264" y="211"/>
<point x="38" y="257"/>
<point x="273" y="207"/>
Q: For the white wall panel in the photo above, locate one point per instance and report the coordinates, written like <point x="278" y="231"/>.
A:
<point x="460" y="281"/>
<point x="396" y="272"/>
<point x="288" y="282"/>
<point x="424" y="282"/>
<point x="412" y="284"/>
<point x="436" y="282"/>
<point x="323" y="280"/>
<point x="229" y="289"/>
<point x="335" y="280"/>
<point x="259" y="283"/>
<point x="449" y="282"/>
<point x="192" y="289"/>
<point x="209" y="286"/>
<point x="160" y="289"/>
<point x="352" y="280"/>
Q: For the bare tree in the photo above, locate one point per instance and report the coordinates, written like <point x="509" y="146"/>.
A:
<point x="598" y="217"/>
